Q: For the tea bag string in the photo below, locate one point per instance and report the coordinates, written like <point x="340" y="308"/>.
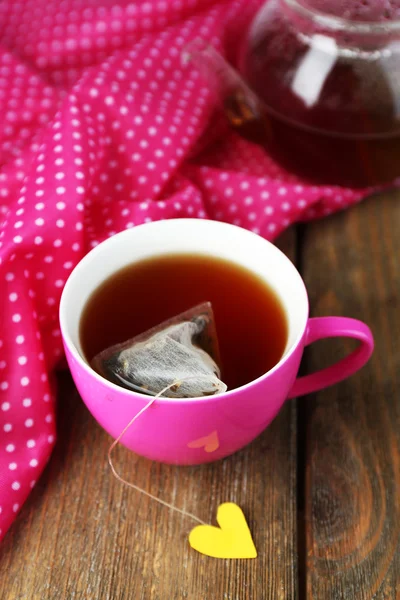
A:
<point x="183" y="512"/>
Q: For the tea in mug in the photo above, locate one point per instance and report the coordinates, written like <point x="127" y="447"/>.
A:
<point x="250" y="320"/>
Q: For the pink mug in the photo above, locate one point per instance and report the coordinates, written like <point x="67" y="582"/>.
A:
<point x="200" y="430"/>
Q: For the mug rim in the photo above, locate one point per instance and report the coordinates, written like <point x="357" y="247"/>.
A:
<point x="68" y="342"/>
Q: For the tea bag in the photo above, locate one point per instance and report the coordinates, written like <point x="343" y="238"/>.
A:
<point x="181" y="353"/>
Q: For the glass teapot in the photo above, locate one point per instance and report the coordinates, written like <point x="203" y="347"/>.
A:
<point x="319" y="87"/>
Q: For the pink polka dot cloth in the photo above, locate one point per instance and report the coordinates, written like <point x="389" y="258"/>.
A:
<point x="102" y="128"/>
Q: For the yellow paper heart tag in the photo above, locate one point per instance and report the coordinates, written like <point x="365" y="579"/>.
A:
<point x="232" y="539"/>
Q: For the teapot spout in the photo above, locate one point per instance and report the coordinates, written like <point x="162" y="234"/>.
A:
<point x="240" y="104"/>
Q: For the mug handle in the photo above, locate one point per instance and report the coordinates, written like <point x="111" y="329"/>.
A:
<point x="329" y="327"/>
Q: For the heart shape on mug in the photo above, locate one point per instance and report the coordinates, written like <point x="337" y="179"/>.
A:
<point x="232" y="539"/>
<point x="209" y="442"/>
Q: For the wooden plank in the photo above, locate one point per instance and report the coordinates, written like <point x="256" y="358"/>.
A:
<point x="83" y="535"/>
<point x="351" y="264"/>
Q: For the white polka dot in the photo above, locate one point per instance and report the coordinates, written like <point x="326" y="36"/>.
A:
<point x="7" y="427"/>
<point x="50" y="439"/>
<point x="16" y="318"/>
<point x="13" y="297"/>
<point x="10" y="448"/>
<point x="33" y="462"/>
<point x="5" y="405"/>
<point x="27" y="402"/>
<point x="24" y="381"/>
<point x="15" y="507"/>
<point x="60" y="190"/>
<point x="29" y="423"/>
<point x="15" y="485"/>
<point x="31" y="443"/>
<point x="12" y="466"/>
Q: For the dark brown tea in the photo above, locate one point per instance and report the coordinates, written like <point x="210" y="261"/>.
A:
<point x="250" y="320"/>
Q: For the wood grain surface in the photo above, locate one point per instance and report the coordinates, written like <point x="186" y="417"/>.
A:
<point x="352" y="431"/>
<point x="84" y="536"/>
<point x="320" y="488"/>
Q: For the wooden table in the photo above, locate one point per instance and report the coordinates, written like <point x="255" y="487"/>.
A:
<point x="320" y="488"/>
